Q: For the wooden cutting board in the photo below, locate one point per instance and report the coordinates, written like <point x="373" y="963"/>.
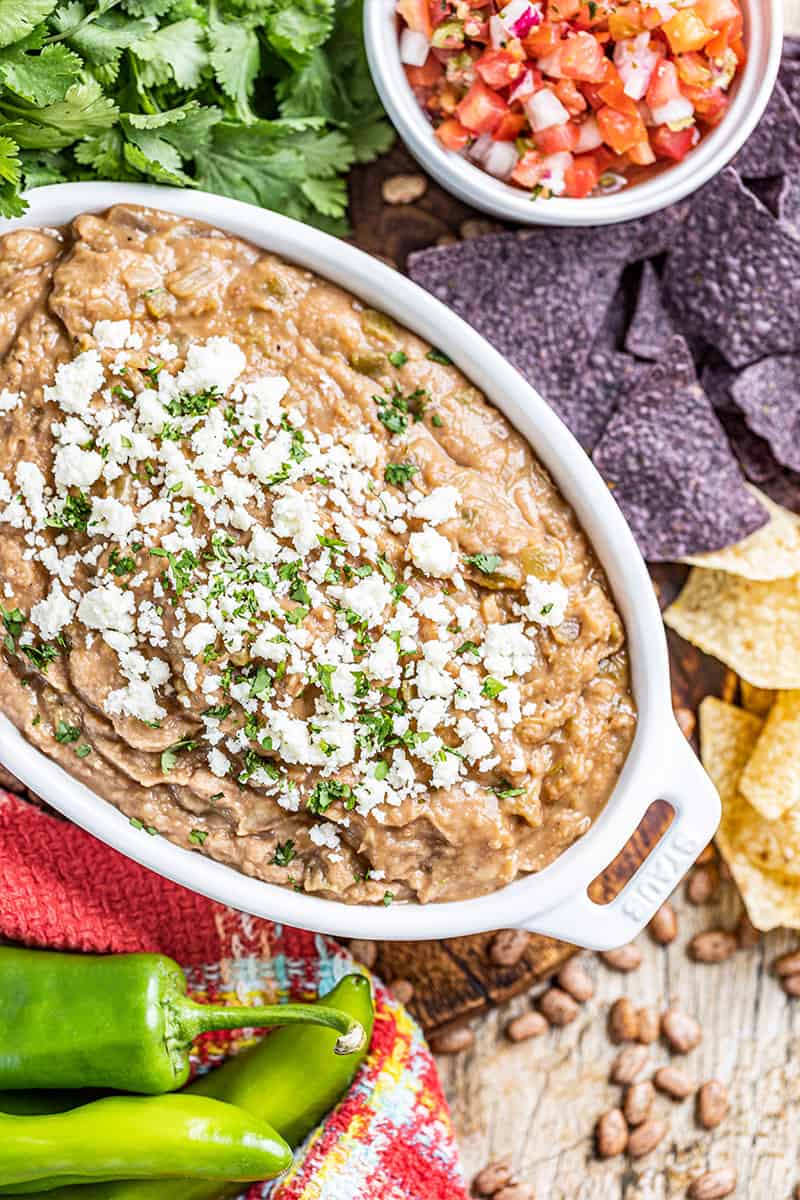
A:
<point x="454" y="979"/>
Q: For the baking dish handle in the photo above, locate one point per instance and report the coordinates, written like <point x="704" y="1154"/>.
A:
<point x="695" y="802"/>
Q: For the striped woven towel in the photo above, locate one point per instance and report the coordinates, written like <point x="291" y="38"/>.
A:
<point x="390" y="1138"/>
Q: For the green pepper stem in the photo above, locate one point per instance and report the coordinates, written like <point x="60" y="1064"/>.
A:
<point x="192" y="1019"/>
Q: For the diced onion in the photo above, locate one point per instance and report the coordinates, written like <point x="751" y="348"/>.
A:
<point x="498" y="33"/>
<point x="545" y="109"/>
<point x="481" y="147"/>
<point x="512" y="13"/>
<point x="501" y="159"/>
<point x="673" y="112"/>
<point x="555" y="168"/>
<point x="635" y="62"/>
<point x="524" y="87"/>
<point x="414" y="48"/>
<point x="589" y="135"/>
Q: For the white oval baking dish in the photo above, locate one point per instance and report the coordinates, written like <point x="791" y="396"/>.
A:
<point x="660" y="764"/>
<point x="763" y="38"/>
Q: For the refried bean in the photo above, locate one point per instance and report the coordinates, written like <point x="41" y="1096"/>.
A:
<point x="279" y="583"/>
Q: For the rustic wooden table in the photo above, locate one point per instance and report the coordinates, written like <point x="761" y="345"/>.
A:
<point x="536" y="1102"/>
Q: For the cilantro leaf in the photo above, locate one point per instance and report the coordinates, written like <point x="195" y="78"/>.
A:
<point x="487" y="564"/>
<point x="40" y="78"/>
<point x="174" y="52"/>
<point x="100" y="40"/>
<point x="19" y="17"/>
<point x="84" y="110"/>
<point x="10" y="177"/>
<point x="235" y="59"/>
<point x="296" y="27"/>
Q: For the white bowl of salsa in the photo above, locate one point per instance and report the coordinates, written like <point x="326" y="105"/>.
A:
<point x="587" y="119"/>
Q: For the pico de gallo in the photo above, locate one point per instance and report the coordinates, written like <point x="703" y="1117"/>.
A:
<point x="571" y="97"/>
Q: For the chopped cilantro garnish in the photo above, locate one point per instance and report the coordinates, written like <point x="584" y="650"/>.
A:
<point x="83" y="750"/>
<point x="386" y="569"/>
<point x="439" y="356"/>
<point x="487" y="564"/>
<point x="121" y="566"/>
<point x="299" y="592"/>
<point x="505" y="791"/>
<point x="14" y="620"/>
<point x="66" y="733"/>
<point x="398" y="358"/>
<point x="399" y="474"/>
<point x="388" y="897"/>
<point x="492" y="687"/>
<point x="74" y="514"/>
<point x="325" y="673"/>
<point x="325" y="792"/>
<point x="469" y="648"/>
<point x="437" y="421"/>
<point x="295" y="616"/>
<point x="219" y="712"/>
<point x="198" y="836"/>
<point x="169" y="757"/>
<point x="196" y="404"/>
<point x="284" y="853"/>
<point x="181" y="566"/>
<point x="381" y="769"/>
<point x="261" y="683"/>
<point x="42" y="655"/>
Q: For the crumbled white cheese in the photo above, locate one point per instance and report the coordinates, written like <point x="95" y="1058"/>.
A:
<point x="54" y="613"/>
<point x="438" y="506"/>
<point x="432" y="553"/>
<point x="547" y="601"/>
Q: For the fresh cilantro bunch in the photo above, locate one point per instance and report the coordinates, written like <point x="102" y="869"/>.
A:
<point x="268" y="101"/>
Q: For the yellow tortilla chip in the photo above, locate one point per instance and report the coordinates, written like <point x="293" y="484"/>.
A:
<point x="772" y="552"/>
<point x="771" y="779"/>
<point x="751" y="846"/>
<point x="755" y="699"/>
<point x="754" y="628"/>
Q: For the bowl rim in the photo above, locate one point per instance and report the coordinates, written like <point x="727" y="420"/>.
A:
<point x="648" y="764"/>
<point x="473" y="185"/>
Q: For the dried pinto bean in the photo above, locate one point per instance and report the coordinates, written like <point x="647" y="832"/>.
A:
<point x="663" y="927"/>
<point x="623" y="1023"/>
<point x="508" y="946"/>
<point x="787" y="964"/>
<point x="713" y="1104"/>
<point x="611" y="1134"/>
<point x="575" y="979"/>
<point x="626" y="958"/>
<point x="791" y="985"/>
<point x="673" y="1082"/>
<point x="452" y="1041"/>
<point x="629" y="1064"/>
<point x="681" y="1031"/>
<point x="558" y="1006"/>
<point x="402" y="990"/>
<point x="638" y="1102"/>
<point x="646" y="1137"/>
<point x="747" y="935"/>
<point x="702" y="884"/>
<point x="712" y="946"/>
<point x="493" y="1177"/>
<point x="714" y="1185"/>
<point x="648" y="1030"/>
<point x="529" y="1025"/>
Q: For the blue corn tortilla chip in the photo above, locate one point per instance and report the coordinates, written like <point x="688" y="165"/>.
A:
<point x="774" y="145"/>
<point x="668" y="463"/>
<point x="539" y="297"/>
<point x="734" y="274"/>
<point x="593" y="400"/>
<point x="768" y="396"/>
<point x="651" y="329"/>
<point x="753" y="452"/>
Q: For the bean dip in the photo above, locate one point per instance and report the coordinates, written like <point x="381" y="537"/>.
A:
<point x="279" y="583"/>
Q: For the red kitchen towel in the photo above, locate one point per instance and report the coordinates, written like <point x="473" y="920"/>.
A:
<point x="390" y="1138"/>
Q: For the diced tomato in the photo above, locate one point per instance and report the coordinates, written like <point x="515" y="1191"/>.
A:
<point x="693" y="69"/>
<point x="668" y="144"/>
<point x="591" y="14"/>
<point x="556" y="138"/>
<point x="570" y="97"/>
<point x="626" y="21"/>
<point x="498" y="68"/>
<point x="642" y="154"/>
<point x="717" y="13"/>
<point x="709" y="103"/>
<point x="416" y="15"/>
<point x="621" y="130"/>
<point x="687" y="31"/>
<point x="582" y="58"/>
<point x="541" y="40"/>
<point x="581" y="176"/>
<point x="452" y="134"/>
<point x="529" y="170"/>
<point x="439" y="12"/>
<point x="428" y="75"/>
<point x="510" y="127"/>
<point x="562" y="10"/>
<point x="664" y="85"/>
<point x="481" y="110"/>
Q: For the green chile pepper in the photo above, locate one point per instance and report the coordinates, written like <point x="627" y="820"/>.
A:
<point x="120" y="1021"/>
<point x="146" y="1137"/>
<point x="290" y="1079"/>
